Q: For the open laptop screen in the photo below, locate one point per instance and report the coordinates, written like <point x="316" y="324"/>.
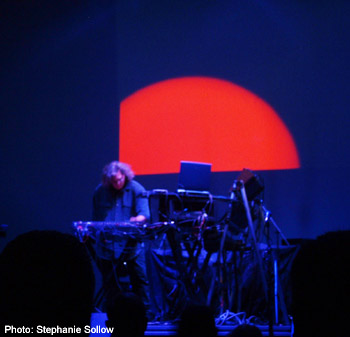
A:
<point x="194" y="176"/>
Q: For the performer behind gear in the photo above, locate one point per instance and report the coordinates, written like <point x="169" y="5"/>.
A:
<point x="119" y="198"/>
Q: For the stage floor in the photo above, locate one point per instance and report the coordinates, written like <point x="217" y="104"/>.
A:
<point x="160" y="329"/>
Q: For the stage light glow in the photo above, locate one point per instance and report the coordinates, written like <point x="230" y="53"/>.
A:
<point x="206" y="120"/>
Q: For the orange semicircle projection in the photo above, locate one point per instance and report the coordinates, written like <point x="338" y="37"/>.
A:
<point x="202" y="119"/>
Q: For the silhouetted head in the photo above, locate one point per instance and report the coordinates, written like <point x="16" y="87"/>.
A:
<point x="197" y="320"/>
<point x="46" y="279"/>
<point x="246" y="330"/>
<point x="127" y="314"/>
<point x="320" y="286"/>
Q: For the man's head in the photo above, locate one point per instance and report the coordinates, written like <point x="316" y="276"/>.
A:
<point x="47" y="279"/>
<point x="197" y="320"/>
<point x="320" y="281"/>
<point x="117" y="175"/>
<point x="127" y="314"/>
<point x="118" y="180"/>
<point x="246" y="330"/>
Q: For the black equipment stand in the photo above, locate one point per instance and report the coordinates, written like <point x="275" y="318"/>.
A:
<point x="278" y="302"/>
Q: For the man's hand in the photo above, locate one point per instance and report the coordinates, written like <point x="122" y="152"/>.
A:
<point x="139" y="218"/>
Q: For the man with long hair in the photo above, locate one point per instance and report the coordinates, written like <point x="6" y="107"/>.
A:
<point x="119" y="198"/>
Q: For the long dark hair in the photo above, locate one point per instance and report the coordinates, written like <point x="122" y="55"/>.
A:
<point x="113" y="168"/>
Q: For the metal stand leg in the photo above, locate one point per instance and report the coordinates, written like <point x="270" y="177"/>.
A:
<point x="276" y="293"/>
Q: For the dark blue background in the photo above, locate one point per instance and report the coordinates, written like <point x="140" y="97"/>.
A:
<point x="66" y="65"/>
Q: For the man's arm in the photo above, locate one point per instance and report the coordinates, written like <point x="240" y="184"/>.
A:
<point x="141" y="206"/>
<point x="100" y="213"/>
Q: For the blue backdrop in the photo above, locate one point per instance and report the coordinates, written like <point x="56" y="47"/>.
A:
<point x="66" y="66"/>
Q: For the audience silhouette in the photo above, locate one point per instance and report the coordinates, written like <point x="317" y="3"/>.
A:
<point x="46" y="281"/>
<point x="126" y="313"/>
<point x="245" y="330"/>
<point x="320" y="286"/>
<point x="197" y="320"/>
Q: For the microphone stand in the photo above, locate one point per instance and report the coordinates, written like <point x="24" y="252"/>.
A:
<point x="240" y="185"/>
<point x="221" y="259"/>
<point x="276" y="291"/>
